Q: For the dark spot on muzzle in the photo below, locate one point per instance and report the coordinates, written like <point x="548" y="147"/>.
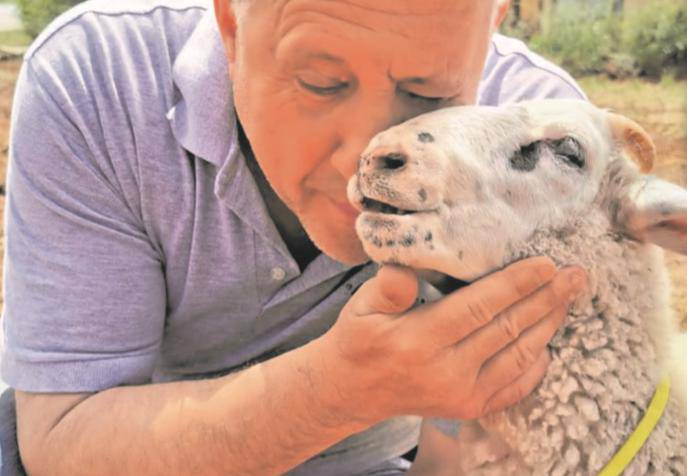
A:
<point x="408" y="240"/>
<point x="525" y="159"/>
<point x="422" y="194"/>
<point x="425" y="137"/>
<point x="428" y="236"/>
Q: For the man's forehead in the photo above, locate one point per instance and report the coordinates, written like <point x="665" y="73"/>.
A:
<point x="437" y="45"/>
<point x="422" y="22"/>
<point x="384" y="10"/>
<point x="407" y="7"/>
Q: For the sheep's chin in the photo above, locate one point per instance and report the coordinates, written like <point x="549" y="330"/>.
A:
<point x="398" y="239"/>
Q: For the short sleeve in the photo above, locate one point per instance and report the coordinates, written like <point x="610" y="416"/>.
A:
<point x="514" y="73"/>
<point x="84" y="287"/>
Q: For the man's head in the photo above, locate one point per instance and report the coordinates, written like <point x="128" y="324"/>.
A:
<point x="315" y="80"/>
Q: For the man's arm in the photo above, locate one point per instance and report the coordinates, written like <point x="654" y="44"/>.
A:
<point x="459" y="357"/>
<point x="263" y="420"/>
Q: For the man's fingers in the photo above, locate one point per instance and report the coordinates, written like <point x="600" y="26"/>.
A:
<point x="521" y="355"/>
<point x="393" y="290"/>
<point x="512" y="322"/>
<point x="461" y="313"/>
<point x="521" y="387"/>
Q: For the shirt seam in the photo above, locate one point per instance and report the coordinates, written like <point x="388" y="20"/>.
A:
<point x="30" y="362"/>
<point x="38" y="47"/>
<point x="539" y="67"/>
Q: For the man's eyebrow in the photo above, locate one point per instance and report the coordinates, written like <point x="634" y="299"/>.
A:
<point x="419" y="80"/>
<point x="322" y="56"/>
<point x="411" y="80"/>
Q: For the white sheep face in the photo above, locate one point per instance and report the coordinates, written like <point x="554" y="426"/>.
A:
<point x="452" y="190"/>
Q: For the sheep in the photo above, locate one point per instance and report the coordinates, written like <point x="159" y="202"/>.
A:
<point x="464" y="191"/>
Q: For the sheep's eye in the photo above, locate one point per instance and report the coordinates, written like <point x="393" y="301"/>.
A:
<point x="570" y="151"/>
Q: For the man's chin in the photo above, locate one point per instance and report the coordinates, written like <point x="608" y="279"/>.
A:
<point x="349" y="252"/>
<point x="350" y="255"/>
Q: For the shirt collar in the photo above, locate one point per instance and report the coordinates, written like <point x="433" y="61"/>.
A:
<point x="203" y="119"/>
<point x="204" y="123"/>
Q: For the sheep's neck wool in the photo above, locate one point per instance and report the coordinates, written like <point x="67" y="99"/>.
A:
<point x="635" y="442"/>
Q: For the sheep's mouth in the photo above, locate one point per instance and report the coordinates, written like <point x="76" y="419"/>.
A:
<point x="376" y="206"/>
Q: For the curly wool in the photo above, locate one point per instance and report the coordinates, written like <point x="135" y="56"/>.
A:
<point x="604" y="367"/>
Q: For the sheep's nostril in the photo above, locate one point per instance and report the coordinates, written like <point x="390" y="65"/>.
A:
<point x="392" y="161"/>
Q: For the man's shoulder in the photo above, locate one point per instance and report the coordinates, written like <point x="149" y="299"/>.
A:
<point x="101" y="21"/>
<point x="100" y="50"/>
<point x="514" y="73"/>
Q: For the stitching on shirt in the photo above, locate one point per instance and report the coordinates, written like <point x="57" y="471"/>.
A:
<point x="37" y="48"/>
<point x="539" y="67"/>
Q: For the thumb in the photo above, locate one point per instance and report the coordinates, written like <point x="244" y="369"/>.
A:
<point x="393" y="290"/>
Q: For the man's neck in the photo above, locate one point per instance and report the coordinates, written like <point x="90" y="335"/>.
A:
<point x="292" y="232"/>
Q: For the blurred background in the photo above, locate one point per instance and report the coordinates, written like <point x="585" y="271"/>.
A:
<point x="628" y="55"/>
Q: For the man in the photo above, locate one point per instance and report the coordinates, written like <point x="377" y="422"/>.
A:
<point x="176" y="170"/>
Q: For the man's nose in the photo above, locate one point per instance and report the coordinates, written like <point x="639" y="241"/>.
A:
<point x="368" y="122"/>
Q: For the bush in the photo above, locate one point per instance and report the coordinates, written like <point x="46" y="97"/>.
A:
<point x="657" y="37"/>
<point x="587" y="37"/>
<point x="580" y="36"/>
<point x="36" y="14"/>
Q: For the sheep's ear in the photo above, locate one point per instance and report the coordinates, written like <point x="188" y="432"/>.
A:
<point x="634" y="140"/>
<point x="655" y="211"/>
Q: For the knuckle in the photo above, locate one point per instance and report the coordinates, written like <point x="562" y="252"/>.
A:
<point x="555" y="295"/>
<point x="507" y="324"/>
<point x="469" y="412"/>
<point x="524" y="357"/>
<point x="525" y="280"/>
<point x="562" y="289"/>
<point x="405" y="349"/>
<point x="479" y="312"/>
<point x="484" y="405"/>
<point x="519" y="393"/>
<point x="560" y="313"/>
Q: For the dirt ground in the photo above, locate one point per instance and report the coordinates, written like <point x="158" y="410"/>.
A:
<point x="660" y="108"/>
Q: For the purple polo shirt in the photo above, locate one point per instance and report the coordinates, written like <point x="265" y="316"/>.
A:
<point x="138" y="247"/>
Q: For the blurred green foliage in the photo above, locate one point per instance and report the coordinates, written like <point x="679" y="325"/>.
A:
<point x="589" y="37"/>
<point x="36" y="14"/>
<point x="657" y="37"/>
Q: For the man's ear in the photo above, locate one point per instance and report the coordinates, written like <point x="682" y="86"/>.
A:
<point x="226" y="21"/>
<point x="655" y="211"/>
<point x="500" y="11"/>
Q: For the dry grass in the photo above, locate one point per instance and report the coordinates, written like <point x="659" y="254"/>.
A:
<point x="661" y="108"/>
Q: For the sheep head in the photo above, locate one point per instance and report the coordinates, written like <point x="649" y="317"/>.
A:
<point x="453" y="190"/>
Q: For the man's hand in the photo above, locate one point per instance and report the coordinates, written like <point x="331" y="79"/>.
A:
<point x="476" y="350"/>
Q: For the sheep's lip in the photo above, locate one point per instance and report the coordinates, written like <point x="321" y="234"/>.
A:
<point x="372" y="205"/>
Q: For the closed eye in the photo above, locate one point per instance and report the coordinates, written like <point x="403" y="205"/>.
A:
<point x="426" y="99"/>
<point x="569" y="151"/>
<point x="323" y="90"/>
